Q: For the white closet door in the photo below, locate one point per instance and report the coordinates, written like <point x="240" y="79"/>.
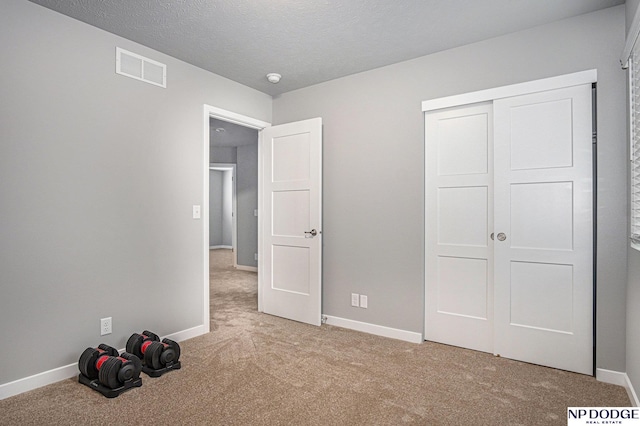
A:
<point x="459" y="273"/>
<point x="543" y="207"/>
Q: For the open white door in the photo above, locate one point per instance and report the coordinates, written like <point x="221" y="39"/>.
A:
<point x="291" y="221"/>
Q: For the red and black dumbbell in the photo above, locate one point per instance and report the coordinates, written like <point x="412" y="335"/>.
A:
<point x="108" y="367"/>
<point x="156" y="356"/>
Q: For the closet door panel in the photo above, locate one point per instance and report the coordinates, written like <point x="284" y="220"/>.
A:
<point x="459" y="261"/>
<point x="543" y="207"/>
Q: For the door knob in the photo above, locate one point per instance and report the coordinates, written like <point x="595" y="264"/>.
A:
<point x="492" y="236"/>
<point x="502" y="236"/>
<point x="313" y="232"/>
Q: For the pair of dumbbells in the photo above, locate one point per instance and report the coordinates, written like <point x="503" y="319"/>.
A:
<point x="109" y="372"/>
<point x="157" y="356"/>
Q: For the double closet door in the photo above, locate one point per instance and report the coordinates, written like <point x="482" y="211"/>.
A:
<point x="509" y="227"/>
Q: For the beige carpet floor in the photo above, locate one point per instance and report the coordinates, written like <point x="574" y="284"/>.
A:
<point x="255" y="369"/>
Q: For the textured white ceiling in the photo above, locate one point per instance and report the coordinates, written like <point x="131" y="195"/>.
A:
<point x="311" y="41"/>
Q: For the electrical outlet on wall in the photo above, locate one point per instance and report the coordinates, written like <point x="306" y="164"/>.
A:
<point x="105" y="326"/>
<point x="355" y="299"/>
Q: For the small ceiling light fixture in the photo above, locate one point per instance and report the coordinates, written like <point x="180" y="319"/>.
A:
<point x="220" y="129"/>
<point x="273" y="77"/>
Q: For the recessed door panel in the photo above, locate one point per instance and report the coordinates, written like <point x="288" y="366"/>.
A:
<point x="542" y="287"/>
<point x="462" y="287"/>
<point x="462" y="216"/>
<point x="542" y="135"/>
<point x="542" y="215"/>
<point x="291" y="158"/>
<point x="291" y="215"/>
<point x="290" y="269"/>
<point x="463" y="145"/>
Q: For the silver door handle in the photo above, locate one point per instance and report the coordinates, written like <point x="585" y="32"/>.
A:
<point x="492" y="236"/>
<point x="502" y="236"/>
<point x="313" y="232"/>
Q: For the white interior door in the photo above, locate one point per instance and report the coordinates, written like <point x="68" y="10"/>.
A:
<point x="291" y="220"/>
<point x="459" y="252"/>
<point x="543" y="208"/>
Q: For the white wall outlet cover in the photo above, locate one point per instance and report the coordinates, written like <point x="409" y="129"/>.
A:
<point x="196" y="211"/>
<point x="355" y="299"/>
<point x="105" y="326"/>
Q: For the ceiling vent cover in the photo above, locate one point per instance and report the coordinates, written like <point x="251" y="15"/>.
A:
<point x="141" y="68"/>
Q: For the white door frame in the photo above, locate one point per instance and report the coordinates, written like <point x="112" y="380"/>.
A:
<point x="567" y="80"/>
<point x="242" y="120"/>
<point x="231" y="167"/>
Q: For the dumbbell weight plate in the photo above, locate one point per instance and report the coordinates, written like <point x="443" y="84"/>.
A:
<point x="175" y="347"/>
<point x="132" y="361"/>
<point x="126" y="371"/>
<point x="152" y="355"/>
<point x="87" y="363"/>
<point x="108" y="374"/>
<point x="167" y="356"/>
<point x="134" y="344"/>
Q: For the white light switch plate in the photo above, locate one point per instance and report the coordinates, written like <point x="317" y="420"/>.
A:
<point x="364" y="303"/>
<point x="196" y="211"/>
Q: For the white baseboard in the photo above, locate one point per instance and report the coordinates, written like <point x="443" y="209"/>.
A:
<point x="633" y="396"/>
<point x="620" y="379"/>
<point x="378" y="330"/>
<point x="220" y="247"/>
<point x="68" y="371"/>
<point x="247" y="268"/>
<point x="610" y="376"/>
<point x="189" y="333"/>
<point x="38" y="380"/>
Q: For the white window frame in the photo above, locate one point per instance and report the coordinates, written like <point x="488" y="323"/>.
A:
<point x="634" y="148"/>
<point x="631" y="60"/>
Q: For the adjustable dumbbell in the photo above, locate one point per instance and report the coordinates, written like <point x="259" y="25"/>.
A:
<point x="111" y="370"/>
<point x="154" y="354"/>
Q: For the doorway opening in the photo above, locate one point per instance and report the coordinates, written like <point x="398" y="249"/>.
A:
<point x="223" y="230"/>
<point x="232" y="141"/>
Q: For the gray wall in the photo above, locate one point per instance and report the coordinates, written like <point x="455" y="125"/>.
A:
<point x="373" y="156"/>
<point x="633" y="319"/>
<point x="227" y="208"/>
<point x="98" y="175"/>
<point x="631" y="8"/>
<point x="220" y="208"/>
<point x="223" y="154"/>
<point x="633" y="285"/>
<point x="215" y="207"/>
<point x="247" y="199"/>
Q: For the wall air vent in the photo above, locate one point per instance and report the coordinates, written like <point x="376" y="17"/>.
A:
<point x="140" y="68"/>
